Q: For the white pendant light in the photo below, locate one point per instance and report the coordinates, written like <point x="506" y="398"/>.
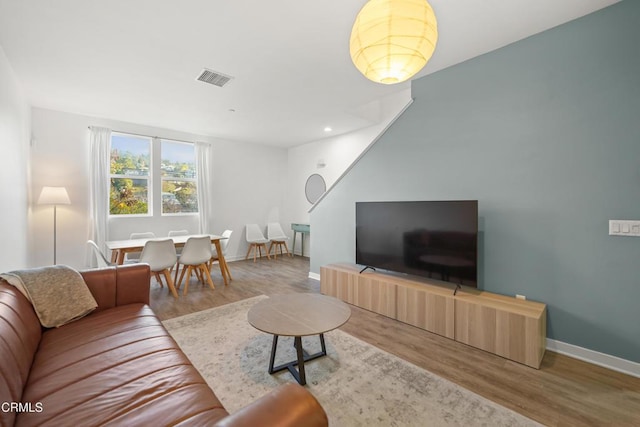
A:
<point x="392" y="40"/>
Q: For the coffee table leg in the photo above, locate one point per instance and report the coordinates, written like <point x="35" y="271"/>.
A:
<point x="301" y="376"/>
<point x="302" y="356"/>
<point x="273" y="354"/>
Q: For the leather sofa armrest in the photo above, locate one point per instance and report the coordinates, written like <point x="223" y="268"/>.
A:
<point x="119" y="285"/>
<point x="288" y="405"/>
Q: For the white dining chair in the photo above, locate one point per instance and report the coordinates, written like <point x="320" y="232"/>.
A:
<point x="161" y="257"/>
<point x="256" y="241"/>
<point x="196" y="254"/>
<point x="135" y="256"/>
<point x="224" y="244"/>
<point x="278" y="239"/>
<point x="101" y="260"/>
<point x="174" y="233"/>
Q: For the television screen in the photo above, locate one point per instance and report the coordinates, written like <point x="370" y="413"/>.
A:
<point x="435" y="239"/>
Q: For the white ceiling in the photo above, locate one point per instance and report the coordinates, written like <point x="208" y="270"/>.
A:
<point x="136" y="61"/>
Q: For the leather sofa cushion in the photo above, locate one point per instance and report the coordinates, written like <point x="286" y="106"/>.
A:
<point x="20" y="333"/>
<point x="119" y="367"/>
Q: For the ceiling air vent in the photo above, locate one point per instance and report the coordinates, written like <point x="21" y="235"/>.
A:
<point x="213" y="77"/>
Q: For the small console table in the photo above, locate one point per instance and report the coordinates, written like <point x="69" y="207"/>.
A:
<point x="512" y="328"/>
<point x="299" y="228"/>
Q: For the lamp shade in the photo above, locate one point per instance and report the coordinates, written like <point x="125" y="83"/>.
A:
<point x="54" y="196"/>
<point x="392" y="40"/>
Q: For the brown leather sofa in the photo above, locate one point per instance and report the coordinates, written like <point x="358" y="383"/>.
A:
<point x="118" y="366"/>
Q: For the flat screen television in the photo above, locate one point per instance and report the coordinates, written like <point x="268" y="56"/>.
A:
<point x="435" y="239"/>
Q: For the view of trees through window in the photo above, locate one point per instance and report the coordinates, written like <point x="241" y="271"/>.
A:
<point x="130" y="163"/>
<point x="179" y="193"/>
<point x="132" y="171"/>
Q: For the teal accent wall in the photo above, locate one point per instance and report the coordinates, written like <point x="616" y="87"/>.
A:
<point x="545" y="134"/>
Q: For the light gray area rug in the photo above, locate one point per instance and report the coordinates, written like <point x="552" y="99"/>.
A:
<point x="356" y="383"/>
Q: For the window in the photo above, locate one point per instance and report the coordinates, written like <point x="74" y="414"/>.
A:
<point x="178" y="169"/>
<point x="130" y="172"/>
<point x="140" y="165"/>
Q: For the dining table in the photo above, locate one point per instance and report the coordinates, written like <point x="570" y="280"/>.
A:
<point x="119" y="248"/>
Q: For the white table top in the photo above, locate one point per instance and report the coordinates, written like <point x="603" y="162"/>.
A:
<point x="139" y="243"/>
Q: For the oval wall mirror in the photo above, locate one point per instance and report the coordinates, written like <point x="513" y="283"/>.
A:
<point x="314" y="188"/>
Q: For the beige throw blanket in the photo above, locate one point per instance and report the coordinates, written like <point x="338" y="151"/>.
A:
<point x="58" y="293"/>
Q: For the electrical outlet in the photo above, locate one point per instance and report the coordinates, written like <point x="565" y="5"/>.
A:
<point x="521" y="296"/>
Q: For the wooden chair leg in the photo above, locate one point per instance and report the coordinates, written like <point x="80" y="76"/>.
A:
<point x="184" y="270"/>
<point x="265" y="249"/>
<point x="175" y="277"/>
<point x="199" y="275"/>
<point x="251" y="245"/>
<point x="157" y="276"/>
<point x="186" y="283"/>
<point x="207" y="276"/>
<point x="259" y="249"/>
<point x="170" y="285"/>
<point x="287" y="248"/>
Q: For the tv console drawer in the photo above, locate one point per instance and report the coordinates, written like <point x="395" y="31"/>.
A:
<point x="369" y="293"/>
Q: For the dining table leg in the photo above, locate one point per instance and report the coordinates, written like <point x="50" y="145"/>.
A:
<point x="120" y="260"/>
<point x="222" y="263"/>
<point x="226" y="268"/>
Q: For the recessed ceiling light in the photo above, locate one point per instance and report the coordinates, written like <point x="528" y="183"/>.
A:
<point x="328" y="129"/>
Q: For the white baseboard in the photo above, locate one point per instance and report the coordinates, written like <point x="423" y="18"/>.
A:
<point x="314" y="276"/>
<point x="601" y="359"/>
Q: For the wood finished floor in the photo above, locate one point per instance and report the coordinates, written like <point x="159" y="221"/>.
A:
<point x="563" y="392"/>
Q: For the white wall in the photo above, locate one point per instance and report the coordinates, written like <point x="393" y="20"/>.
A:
<point x="253" y="183"/>
<point x="337" y="153"/>
<point x="14" y="192"/>
<point x="248" y="179"/>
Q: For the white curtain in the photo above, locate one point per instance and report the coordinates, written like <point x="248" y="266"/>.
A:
<point x="204" y="171"/>
<point x="99" y="189"/>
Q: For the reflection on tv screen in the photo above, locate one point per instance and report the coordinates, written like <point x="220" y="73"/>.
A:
<point x="435" y="239"/>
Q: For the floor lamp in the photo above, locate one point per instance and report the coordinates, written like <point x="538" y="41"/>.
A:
<point x="54" y="196"/>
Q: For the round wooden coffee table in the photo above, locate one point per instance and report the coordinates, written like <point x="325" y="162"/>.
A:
<point x="298" y="315"/>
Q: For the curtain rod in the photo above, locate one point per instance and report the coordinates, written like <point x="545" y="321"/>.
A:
<point x="147" y="136"/>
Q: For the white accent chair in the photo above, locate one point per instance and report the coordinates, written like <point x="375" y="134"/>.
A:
<point x="276" y="235"/>
<point x="161" y="257"/>
<point x="100" y="258"/>
<point x="196" y="254"/>
<point x="256" y="241"/>
<point x="224" y="244"/>
<point x="135" y="256"/>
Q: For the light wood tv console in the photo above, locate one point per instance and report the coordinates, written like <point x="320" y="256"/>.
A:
<point x="509" y="327"/>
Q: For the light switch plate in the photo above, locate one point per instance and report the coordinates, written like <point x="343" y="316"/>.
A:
<point x="624" y="227"/>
